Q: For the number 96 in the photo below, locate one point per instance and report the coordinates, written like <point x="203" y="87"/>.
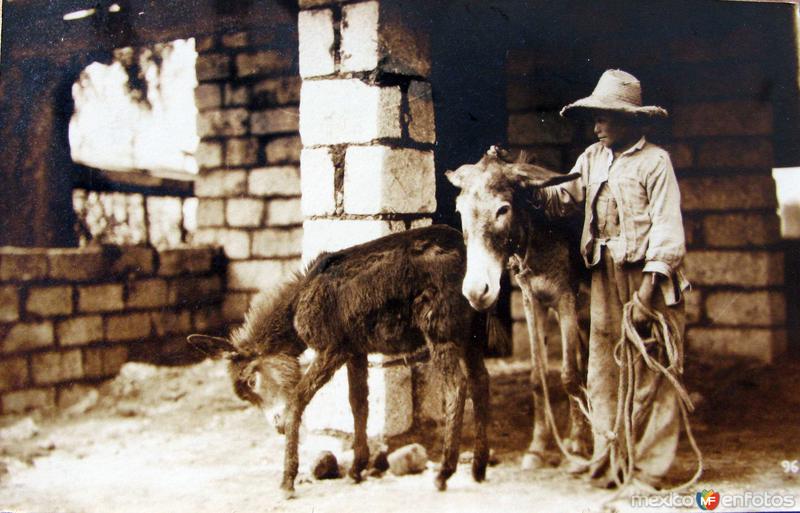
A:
<point x="790" y="466"/>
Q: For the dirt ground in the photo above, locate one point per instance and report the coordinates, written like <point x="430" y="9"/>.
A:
<point x="177" y="440"/>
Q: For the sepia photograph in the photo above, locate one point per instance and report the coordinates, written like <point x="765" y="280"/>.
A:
<point x="314" y="256"/>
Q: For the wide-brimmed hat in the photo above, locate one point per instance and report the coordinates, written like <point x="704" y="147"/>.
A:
<point x="617" y="91"/>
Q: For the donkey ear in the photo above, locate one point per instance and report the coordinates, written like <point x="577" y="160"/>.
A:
<point x="456" y="177"/>
<point x="215" y="347"/>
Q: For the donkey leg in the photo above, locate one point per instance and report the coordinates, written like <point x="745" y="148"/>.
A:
<point x="571" y="378"/>
<point x="448" y="361"/>
<point x="536" y="316"/>
<point x="318" y="373"/>
<point x="357" y="380"/>
<point x="479" y="390"/>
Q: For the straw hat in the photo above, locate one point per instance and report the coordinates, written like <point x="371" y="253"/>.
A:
<point x="618" y="91"/>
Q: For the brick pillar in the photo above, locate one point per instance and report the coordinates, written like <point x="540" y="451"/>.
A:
<point x="249" y="183"/>
<point x="367" y="127"/>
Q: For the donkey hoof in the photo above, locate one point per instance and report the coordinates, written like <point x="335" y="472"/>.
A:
<point x="478" y="472"/>
<point x="576" y="467"/>
<point x="441" y="483"/>
<point x="288" y="494"/>
<point x="532" y="461"/>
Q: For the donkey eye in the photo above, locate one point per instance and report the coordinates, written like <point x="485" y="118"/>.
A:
<point x="252" y="381"/>
<point x="503" y="210"/>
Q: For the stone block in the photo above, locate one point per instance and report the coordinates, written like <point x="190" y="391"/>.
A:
<point x="741" y="308"/>
<point x="347" y="111"/>
<point x="283" y="150"/>
<point x="741" y="230"/>
<point x="316" y="40"/>
<point x="244" y="212"/>
<point x="681" y="155"/>
<point x="221" y="183"/>
<point x="740" y="192"/>
<point x="276" y="91"/>
<point x="131" y="326"/>
<point x="212" y="66"/>
<point x="722" y="118"/>
<point x="274" y="181"/>
<point x="334" y="234"/>
<point x="694" y="306"/>
<point x="222" y="122"/>
<point x="284" y="212"/>
<point x="265" y="62"/>
<point x="80" y="330"/>
<point x="204" y="44"/>
<point x="421" y="120"/>
<point x="235" y="40"/>
<point x="150" y="293"/>
<point x="259" y="274"/>
<point x="103" y="362"/>
<point x="539" y="128"/>
<point x="391" y="404"/>
<point x="166" y="322"/>
<point x="192" y="290"/>
<point x="9" y="303"/>
<point x="736" y="268"/>
<point x="132" y="260"/>
<point x="763" y="344"/>
<point x="77" y="264"/>
<point x="317" y="182"/>
<point x="278" y="243"/>
<point x="13" y="373"/>
<point x="740" y="153"/>
<point x="235" y="243"/>
<point x="100" y="298"/>
<point x="383" y="180"/>
<point x="210" y="212"/>
<point x="208" y="155"/>
<point x="207" y="319"/>
<point x="27" y="400"/>
<point x="235" y="305"/>
<point x="236" y="95"/>
<point x="185" y="260"/>
<point x="207" y="96"/>
<point x="27" y="336"/>
<point x="517" y="305"/>
<point x="47" y="301"/>
<point x="56" y="367"/>
<point x="21" y="264"/>
<point x="241" y="151"/>
<point x="387" y="36"/>
<point x="275" y="121"/>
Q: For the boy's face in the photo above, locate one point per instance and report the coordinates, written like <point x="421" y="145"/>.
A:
<point x="615" y="131"/>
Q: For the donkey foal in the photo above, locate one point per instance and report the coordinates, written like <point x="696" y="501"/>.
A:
<point x="392" y="295"/>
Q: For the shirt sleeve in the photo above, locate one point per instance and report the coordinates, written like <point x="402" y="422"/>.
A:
<point x="667" y="244"/>
<point x="567" y="198"/>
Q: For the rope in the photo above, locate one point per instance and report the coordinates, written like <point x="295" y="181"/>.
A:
<point x="620" y="450"/>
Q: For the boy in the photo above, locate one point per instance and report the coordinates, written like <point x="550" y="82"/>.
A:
<point x="633" y="242"/>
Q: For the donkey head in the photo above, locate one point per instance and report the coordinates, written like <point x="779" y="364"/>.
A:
<point x="495" y="195"/>
<point x="264" y="380"/>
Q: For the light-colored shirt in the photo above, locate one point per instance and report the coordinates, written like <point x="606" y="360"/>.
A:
<point x="642" y="183"/>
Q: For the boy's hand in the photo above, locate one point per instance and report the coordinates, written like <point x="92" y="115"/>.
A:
<point x="645" y="293"/>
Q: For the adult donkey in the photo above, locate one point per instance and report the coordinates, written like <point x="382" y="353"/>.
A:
<point x="503" y="221"/>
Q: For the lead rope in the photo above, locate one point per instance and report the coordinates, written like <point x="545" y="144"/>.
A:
<point x="622" y="459"/>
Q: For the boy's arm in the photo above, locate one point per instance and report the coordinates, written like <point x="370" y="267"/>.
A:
<point x="567" y="198"/>
<point x="667" y="244"/>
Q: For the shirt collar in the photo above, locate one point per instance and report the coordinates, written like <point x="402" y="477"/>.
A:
<point x="636" y="147"/>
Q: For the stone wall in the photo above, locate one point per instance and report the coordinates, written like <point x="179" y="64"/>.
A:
<point x="249" y="182"/>
<point x="368" y="133"/>
<point x="721" y="133"/>
<point x="69" y="318"/>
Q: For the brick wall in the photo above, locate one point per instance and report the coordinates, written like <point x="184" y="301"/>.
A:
<point x="70" y="318"/>
<point x="720" y="136"/>
<point x="249" y="183"/>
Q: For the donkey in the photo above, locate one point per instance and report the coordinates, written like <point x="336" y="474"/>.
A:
<point x="503" y="219"/>
<point x="397" y="294"/>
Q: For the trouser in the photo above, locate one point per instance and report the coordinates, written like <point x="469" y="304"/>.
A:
<point x="657" y="433"/>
